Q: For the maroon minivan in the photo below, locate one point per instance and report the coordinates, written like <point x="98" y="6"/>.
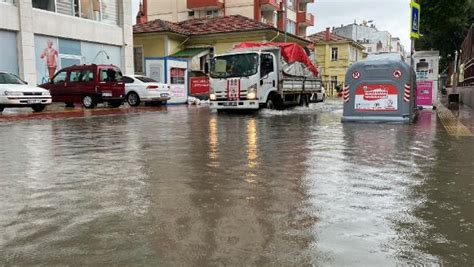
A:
<point x="88" y="84"/>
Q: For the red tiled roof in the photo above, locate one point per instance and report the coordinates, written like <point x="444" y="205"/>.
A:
<point x="320" y="37"/>
<point x="236" y="23"/>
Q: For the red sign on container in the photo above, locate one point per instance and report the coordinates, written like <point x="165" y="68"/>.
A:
<point x="199" y="85"/>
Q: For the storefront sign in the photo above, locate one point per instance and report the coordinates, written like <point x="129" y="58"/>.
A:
<point x="376" y="97"/>
<point x="199" y="85"/>
<point x="424" y="93"/>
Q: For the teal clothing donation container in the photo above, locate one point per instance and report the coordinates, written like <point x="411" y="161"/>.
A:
<point x="378" y="90"/>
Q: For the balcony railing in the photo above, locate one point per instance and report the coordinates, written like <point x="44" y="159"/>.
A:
<point x="305" y="18"/>
<point x="205" y="4"/>
<point x="270" y="5"/>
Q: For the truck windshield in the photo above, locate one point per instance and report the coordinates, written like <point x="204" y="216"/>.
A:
<point x="239" y="65"/>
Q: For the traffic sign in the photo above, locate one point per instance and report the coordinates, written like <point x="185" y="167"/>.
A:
<point x="415" y="20"/>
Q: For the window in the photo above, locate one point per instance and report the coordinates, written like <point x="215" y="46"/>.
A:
<point x="369" y="49"/>
<point x="128" y="79"/>
<point x="177" y="76"/>
<point x="75" y="76"/>
<point x="87" y="76"/>
<point x="110" y="75"/>
<point x="291" y="26"/>
<point x="44" y="4"/>
<point x="191" y="14"/>
<point x="334" y="54"/>
<point x="60" y="77"/>
<point x="266" y="65"/>
<point x="212" y="13"/>
<point x="138" y="59"/>
<point x="290" y="4"/>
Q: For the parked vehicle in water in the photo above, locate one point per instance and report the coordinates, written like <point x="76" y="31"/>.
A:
<point x="139" y="89"/>
<point x="271" y="75"/>
<point x="88" y="84"/>
<point x="15" y="92"/>
<point x="319" y="96"/>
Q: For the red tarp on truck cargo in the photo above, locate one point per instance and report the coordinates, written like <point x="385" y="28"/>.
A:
<point x="291" y="52"/>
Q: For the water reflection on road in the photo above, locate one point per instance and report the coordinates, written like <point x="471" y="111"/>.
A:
<point x="184" y="186"/>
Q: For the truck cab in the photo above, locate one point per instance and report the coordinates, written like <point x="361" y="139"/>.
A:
<point x="242" y="80"/>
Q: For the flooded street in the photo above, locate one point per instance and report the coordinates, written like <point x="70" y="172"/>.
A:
<point x="185" y="186"/>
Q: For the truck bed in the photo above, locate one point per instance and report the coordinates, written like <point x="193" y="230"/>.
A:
<point x="299" y="85"/>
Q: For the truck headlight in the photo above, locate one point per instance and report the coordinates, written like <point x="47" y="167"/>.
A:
<point x="212" y="96"/>
<point x="252" y="92"/>
<point x="13" y="93"/>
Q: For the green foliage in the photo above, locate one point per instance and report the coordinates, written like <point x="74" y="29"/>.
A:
<point x="444" y="25"/>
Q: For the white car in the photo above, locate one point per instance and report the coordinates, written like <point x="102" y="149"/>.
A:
<point x="143" y="89"/>
<point x="320" y="96"/>
<point x="15" y="92"/>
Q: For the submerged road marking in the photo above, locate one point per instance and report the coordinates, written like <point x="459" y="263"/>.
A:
<point x="452" y="125"/>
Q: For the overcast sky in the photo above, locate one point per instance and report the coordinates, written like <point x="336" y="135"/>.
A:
<point x="389" y="15"/>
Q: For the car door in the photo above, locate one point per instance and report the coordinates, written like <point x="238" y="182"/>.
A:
<point x="58" y="85"/>
<point x="111" y="82"/>
<point x="268" y="75"/>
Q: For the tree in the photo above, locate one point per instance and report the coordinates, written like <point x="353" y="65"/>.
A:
<point x="444" y="25"/>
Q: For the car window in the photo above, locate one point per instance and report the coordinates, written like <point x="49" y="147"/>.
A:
<point x="87" y="76"/>
<point x="110" y="75"/>
<point x="145" y="79"/>
<point x="60" y="77"/>
<point x="75" y="76"/>
<point x="128" y="79"/>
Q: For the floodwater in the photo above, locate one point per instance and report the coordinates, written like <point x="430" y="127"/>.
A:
<point x="185" y="186"/>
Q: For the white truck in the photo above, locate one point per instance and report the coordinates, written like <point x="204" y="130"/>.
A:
<point x="260" y="76"/>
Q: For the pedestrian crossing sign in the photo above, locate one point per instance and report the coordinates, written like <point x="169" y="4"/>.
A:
<point x="415" y="20"/>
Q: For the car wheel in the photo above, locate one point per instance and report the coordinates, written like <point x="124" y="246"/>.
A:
<point x="1" y="109"/>
<point x="115" y="104"/>
<point x="88" y="102"/>
<point x="38" y="108"/>
<point x="133" y="99"/>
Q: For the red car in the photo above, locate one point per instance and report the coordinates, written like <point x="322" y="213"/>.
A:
<point x="88" y="84"/>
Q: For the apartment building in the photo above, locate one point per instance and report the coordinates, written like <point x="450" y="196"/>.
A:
<point x="290" y="14"/>
<point x="39" y="37"/>
<point x="374" y="40"/>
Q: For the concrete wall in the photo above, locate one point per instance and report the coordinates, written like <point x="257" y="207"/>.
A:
<point x="467" y="95"/>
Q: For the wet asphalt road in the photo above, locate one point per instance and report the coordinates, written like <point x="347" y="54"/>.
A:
<point x="174" y="186"/>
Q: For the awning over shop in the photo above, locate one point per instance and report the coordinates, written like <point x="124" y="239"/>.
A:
<point x="190" y="52"/>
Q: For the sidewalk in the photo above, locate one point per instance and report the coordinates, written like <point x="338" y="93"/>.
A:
<point x="464" y="115"/>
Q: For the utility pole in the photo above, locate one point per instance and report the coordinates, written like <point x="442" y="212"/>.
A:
<point x="285" y="19"/>
<point x="414" y="34"/>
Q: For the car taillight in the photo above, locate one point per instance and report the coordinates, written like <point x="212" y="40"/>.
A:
<point x="152" y="87"/>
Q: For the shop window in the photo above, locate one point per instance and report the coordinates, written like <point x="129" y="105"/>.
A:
<point x="334" y="54"/>
<point x="138" y="59"/>
<point x="178" y="76"/>
<point x="44" y="4"/>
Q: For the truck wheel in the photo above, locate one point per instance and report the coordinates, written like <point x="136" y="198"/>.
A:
<point x="133" y="99"/>
<point x="270" y="104"/>
<point x="88" y="102"/>
<point x="38" y="108"/>
<point x="1" y="109"/>
<point x="304" y="101"/>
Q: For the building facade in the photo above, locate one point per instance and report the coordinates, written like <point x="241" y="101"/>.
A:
<point x="371" y="38"/>
<point x="290" y="14"/>
<point x="39" y="37"/>
<point x="334" y="55"/>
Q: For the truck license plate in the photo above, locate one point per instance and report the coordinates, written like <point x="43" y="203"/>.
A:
<point x="232" y="104"/>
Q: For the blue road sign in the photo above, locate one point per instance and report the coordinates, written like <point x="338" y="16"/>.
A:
<point x="415" y="20"/>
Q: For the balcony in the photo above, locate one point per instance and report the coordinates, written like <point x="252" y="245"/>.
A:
<point x="205" y="4"/>
<point x="270" y="5"/>
<point x="305" y="19"/>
